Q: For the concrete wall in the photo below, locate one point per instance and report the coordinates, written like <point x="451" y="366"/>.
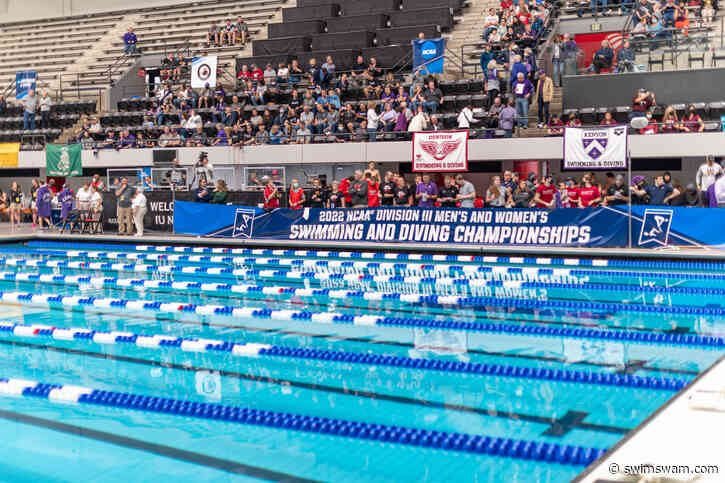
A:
<point x="340" y="160"/>
<point x="670" y="87"/>
<point x="19" y="10"/>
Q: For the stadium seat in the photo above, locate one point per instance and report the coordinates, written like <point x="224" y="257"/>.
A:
<point x="298" y="14"/>
<point x="348" y="23"/>
<point x="348" y="40"/>
<point x="306" y="28"/>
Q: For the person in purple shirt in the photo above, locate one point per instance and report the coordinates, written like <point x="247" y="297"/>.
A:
<point x="65" y="198"/>
<point x="716" y="193"/>
<point x="522" y="89"/>
<point x="426" y="192"/>
<point x="43" y="198"/>
<point x="127" y="140"/>
<point x="129" y="41"/>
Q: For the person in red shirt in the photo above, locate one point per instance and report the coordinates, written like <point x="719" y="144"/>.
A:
<point x="608" y="119"/>
<point x="572" y="193"/>
<point x="296" y="196"/>
<point x="556" y="127"/>
<point x="642" y="102"/>
<point x="257" y="73"/>
<point x="651" y="128"/>
<point x="589" y="195"/>
<point x="692" y="122"/>
<point x="345" y="190"/>
<point x="271" y="195"/>
<point x="373" y="190"/>
<point x="545" y="196"/>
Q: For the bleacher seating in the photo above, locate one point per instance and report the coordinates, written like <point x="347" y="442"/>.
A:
<point x="62" y="115"/>
<point x="53" y="47"/>
<point x="346" y="28"/>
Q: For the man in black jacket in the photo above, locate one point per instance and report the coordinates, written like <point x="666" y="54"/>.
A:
<point x="358" y="191"/>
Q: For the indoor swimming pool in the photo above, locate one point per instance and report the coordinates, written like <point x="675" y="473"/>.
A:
<point x="144" y="362"/>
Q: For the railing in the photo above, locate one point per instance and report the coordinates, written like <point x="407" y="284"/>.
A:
<point x="115" y="66"/>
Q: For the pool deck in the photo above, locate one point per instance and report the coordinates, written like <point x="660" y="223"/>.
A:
<point x="676" y="434"/>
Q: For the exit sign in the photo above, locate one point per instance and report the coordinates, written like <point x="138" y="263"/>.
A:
<point x="595" y="27"/>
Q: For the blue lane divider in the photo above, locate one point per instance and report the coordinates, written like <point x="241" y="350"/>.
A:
<point x="449" y="441"/>
<point x="256" y="350"/>
<point x="374" y="267"/>
<point x="706" y="341"/>
<point x="664" y="264"/>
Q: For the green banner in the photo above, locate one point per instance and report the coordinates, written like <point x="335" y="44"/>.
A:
<point x="63" y="160"/>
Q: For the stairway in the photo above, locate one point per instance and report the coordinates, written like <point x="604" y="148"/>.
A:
<point x="469" y="29"/>
<point x="555" y="107"/>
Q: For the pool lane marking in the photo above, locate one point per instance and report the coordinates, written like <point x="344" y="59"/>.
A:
<point x="187" y="456"/>
<point x="252" y="349"/>
<point x="365" y="340"/>
<point x="28" y="298"/>
<point x="245" y="291"/>
<point x="334" y="427"/>
<point x="320" y="387"/>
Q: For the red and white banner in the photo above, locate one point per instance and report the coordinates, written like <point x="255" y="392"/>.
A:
<point x="440" y="151"/>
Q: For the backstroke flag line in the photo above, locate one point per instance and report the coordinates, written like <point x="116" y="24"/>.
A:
<point x="63" y="160"/>
<point x="203" y="72"/>
<point x="592" y="148"/>
<point x="440" y="151"/>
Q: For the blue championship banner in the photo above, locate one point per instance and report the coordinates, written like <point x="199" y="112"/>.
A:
<point x="431" y="53"/>
<point x="652" y="226"/>
<point x="24" y="81"/>
<point x="566" y="227"/>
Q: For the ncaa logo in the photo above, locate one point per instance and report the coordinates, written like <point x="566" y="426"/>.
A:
<point x="655" y="227"/>
<point x="428" y="50"/>
<point x="243" y="223"/>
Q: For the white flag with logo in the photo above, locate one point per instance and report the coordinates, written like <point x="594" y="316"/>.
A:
<point x="203" y="72"/>
<point x="440" y="151"/>
<point x="601" y="147"/>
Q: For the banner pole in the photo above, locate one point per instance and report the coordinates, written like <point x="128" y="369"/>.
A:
<point x="629" y="198"/>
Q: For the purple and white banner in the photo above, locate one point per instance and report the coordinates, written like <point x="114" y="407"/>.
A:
<point x="593" y="148"/>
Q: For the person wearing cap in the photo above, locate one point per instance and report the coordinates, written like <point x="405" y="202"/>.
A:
<point x="544" y="96"/>
<point x="642" y="102"/>
<point x="707" y="173"/>
<point x="617" y="193"/>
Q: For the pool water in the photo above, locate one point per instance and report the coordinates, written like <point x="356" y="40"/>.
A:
<point x="141" y="362"/>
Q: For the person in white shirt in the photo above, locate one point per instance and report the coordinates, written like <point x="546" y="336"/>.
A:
<point x="707" y="173"/>
<point x="193" y="122"/>
<point x="96" y="206"/>
<point x="282" y="72"/>
<point x="83" y="197"/>
<point x="419" y="121"/>
<point x="465" y="118"/>
<point x="138" y="207"/>
<point x="373" y="119"/>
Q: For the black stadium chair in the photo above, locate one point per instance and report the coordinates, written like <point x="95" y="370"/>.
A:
<point x="587" y="115"/>
<point x="621" y="114"/>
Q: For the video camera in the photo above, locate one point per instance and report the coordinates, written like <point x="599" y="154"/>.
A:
<point x="202" y="156"/>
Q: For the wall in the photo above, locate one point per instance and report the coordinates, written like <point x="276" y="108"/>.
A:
<point x="659" y="146"/>
<point x="679" y="86"/>
<point x="19" y="10"/>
